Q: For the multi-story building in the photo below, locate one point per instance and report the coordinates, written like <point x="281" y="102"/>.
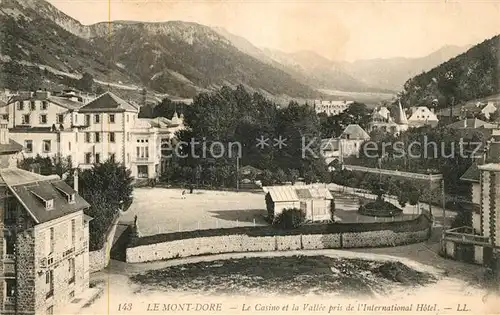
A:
<point x="106" y="127"/>
<point x="384" y="121"/>
<point x="479" y="242"/>
<point x="422" y="116"/>
<point x="44" y="261"/>
<point x="334" y="150"/>
<point x="331" y="108"/>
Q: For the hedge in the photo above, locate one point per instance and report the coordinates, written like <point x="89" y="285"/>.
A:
<point x="420" y="223"/>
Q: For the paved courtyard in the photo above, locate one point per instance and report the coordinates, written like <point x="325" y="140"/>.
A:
<point x="162" y="210"/>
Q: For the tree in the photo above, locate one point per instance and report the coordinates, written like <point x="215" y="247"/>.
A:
<point x="85" y="83"/>
<point x="269" y="206"/>
<point x="113" y="179"/>
<point x="280" y="176"/>
<point x="289" y="219"/>
<point x="293" y="175"/>
<point x="332" y="210"/>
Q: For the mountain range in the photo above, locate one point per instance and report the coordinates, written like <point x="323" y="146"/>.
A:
<point x="40" y="45"/>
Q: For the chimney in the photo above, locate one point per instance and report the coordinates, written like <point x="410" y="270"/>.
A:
<point x="4" y="132"/>
<point x="75" y="180"/>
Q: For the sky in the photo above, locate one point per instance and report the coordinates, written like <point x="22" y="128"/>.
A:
<point x="338" y="30"/>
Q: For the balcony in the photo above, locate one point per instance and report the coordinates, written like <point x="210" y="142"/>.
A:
<point x="465" y="234"/>
<point x="10" y="300"/>
<point x="49" y="294"/>
<point x="68" y="252"/>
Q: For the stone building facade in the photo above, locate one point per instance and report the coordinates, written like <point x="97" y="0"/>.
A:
<point x="44" y="256"/>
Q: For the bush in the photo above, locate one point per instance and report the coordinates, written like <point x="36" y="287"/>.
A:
<point x="269" y="206"/>
<point x="379" y="208"/>
<point x="289" y="219"/>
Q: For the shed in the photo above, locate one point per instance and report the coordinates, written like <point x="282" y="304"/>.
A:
<point x="314" y="201"/>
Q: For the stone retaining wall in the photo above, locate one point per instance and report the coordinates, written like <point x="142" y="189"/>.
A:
<point x="244" y="243"/>
<point x="99" y="259"/>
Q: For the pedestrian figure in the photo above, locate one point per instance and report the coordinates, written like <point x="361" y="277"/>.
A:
<point x="135" y="220"/>
<point x="191" y="189"/>
<point x="183" y="194"/>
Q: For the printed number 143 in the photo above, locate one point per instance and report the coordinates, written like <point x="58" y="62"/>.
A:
<point x="125" y="307"/>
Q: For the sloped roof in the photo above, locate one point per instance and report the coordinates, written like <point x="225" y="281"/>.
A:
<point x="297" y="193"/>
<point x="355" y="132"/>
<point x="249" y="168"/>
<point x="470" y="123"/>
<point x="472" y="174"/>
<point x="11" y="147"/>
<point x="400" y="116"/>
<point x="29" y="188"/>
<point x="64" y="102"/>
<point x="108" y="102"/>
<point x="282" y="193"/>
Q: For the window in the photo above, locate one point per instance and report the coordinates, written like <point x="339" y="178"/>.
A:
<point x="25" y="119"/>
<point x="28" y="146"/>
<point x="97" y="158"/>
<point x="97" y="118"/>
<point x="46" y="146"/>
<point x="52" y="240"/>
<point x="71" y="270"/>
<point x="10" y="285"/>
<point x="128" y="136"/>
<point x="10" y="211"/>
<point x="142" y="153"/>
<point x="60" y="118"/>
<point x="73" y="227"/>
<point x="50" y="310"/>
<point x="49" y="280"/>
<point x="88" y="158"/>
<point x="5" y="117"/>
<point x="87" y="137"/>
<point x="45" y="105"/>
<point x="111" y="137"/>
<point x="128" y="118"/>
<point x="97" y="137"/>
<point x="43" y="119"/>
<point x="71" y="198"/>
<point x="10" y="244"/>
<point x="111" y="118"/>
<point x="112" y="157"/>
<point x="69" y="146"/>
<point x="20" y="105"/>
<point x="128" y="157"/>
<point x="32" y="105"/>
<point x="87" y="120"/>
<point x="49" y="204"/>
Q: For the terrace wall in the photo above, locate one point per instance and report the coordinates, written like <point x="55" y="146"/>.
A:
<point x="99" y="259"/>
<point x="205" y="242"/>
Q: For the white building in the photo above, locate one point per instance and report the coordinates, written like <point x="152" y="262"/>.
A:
<point x="422" y="116"/>
<point x="384" y="121"/>
<point x="331" y="108"/>
<point x="347" y="144"/>
<point x="313" y="201"/>
<point x="105" y="128"/>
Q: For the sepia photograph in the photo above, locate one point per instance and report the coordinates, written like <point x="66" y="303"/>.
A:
<point x="249" y="157"/>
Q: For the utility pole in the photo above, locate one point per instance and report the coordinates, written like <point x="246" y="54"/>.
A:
<point x="444" y="203"/>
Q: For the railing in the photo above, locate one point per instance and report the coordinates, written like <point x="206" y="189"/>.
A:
<point x="430" y="177"/>
<point x="465" y="234"/>
<point x="49" y="294"/>
<point x="68" y="252"/>
<point x="50" y="261"/>
<point x="10" y="300"/>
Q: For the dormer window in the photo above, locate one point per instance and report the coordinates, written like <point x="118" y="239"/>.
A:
<point x="66" y="191"/>
<point x="44" y="195"/>
<point x="49" y="204"/>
